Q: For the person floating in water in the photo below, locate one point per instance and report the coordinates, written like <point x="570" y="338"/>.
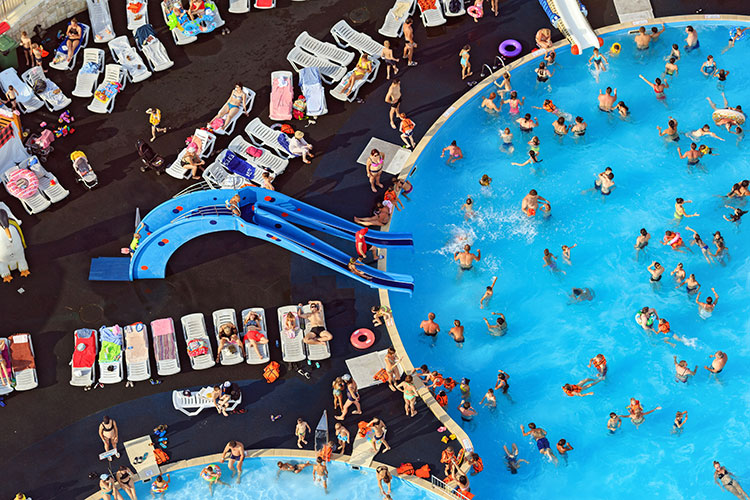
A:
<point x="551" y="261"/>
<point x="705" y="309"/>
<point x="674" y="240"/>
<point x="466" y="259"/>
<point x="577" y="389"/>
<point x="487" y="293"/>
<point x="682" y="372"/>
<point x="679" y="422"/>
<point x="563" y="447"/>
<point x="735" y="34"/>
<point x="541" y="441"/>
<point x="533" y="158"/>
<point x="736" y="215"/>
<point x="468" y="208"/>
<point x="454" y="153"/>
<point x="717" y="365"/>
<point x="512" y="462"/>
<point x="500" y="326"/>
<point x="728" y="481"/>
<point x="700" y="244"/>
<point x="566" y="253"/>
<point x="581" y="294"/>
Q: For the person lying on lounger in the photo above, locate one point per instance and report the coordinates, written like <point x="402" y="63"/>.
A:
<point x="361" y="70"/>
<point x="192" y="162"/>
<point x="237" y="102"/>
<point x="74" y="37"/>
<point x="228" y="335"/>
<point x="318" y="333"/>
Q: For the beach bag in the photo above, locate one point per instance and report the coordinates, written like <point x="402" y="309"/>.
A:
<point x="40" y="86"/>
<point x="271" y="372"/>
<point x="454" y="6"/>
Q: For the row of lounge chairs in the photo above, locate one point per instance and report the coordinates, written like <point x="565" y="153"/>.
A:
<point x="18" y="354"/>
<point x="432" y="13"/>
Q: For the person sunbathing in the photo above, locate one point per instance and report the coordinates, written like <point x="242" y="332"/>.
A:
<point x="318" y="333"/>
<point x="290" y="323"/>
<point x="74" y="38"/>
<point x="361" y="70"/>
<point x="228" y="335"/>
<point x="4" y="378"/>
<point x="197" y="7"/>
<point x="192" y="162"/>
<point x="237" y="102"/>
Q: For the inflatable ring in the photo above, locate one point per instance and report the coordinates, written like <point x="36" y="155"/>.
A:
<point x="510" y="48"/>
<point x="22" y="183"/>
<point x="615" y="48"/>
<point x="722" y="116"/>
<point x="362" y="338"/>
<point x="475" y="12"/>
<point x="206" y="476"/>
<point x="733" y="32"/>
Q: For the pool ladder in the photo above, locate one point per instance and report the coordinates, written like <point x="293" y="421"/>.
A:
<point x="496" y="63"/>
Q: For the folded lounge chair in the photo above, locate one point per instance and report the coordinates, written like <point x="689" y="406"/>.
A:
<point x="23" y="363"/>
<point x="27" y="102"/>
<point x="136" y="352"/>
<point x="330" y="72"/>
<point x="205" y="141"/>
<point x="264" y="4"/>
<point x="431" y="13"/>
<point x="137" y="12"/>
<point x="393" y="25"/>
<point x="262" y="135"/>
<point x="324" y="50"/>
<point x="60" y="59"/>
<point x="192" y="403"/>
<point x="83" y="364"/>
<point x="198" y="345"/>
<point x="267" y="160"/>
<point x="312" y="89"/>
<point x="5" y="354"/>
<point x="348" y="37"/>
<point x="126" y="56"/>
<point x="228" y="128"/>
<point x="113" y="83"/>
<point x="257" y="331"/>
<point x="88" y="76"/>
<point x="155" y="52"/>
<point x="316" y="352"/>
<point x="239" y="6"/>
<point x="338" y="91"/>
<point x="110" y="355"/>
<point x="165" y="347"/>
<point x="45" y="89"/>
<point x="282" y="95"/>
<point x="292" y="345"/>
<point x="231" y="354"/>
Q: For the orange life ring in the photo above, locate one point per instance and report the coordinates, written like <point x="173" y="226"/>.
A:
<point x="22" y="183"/>
<point x="362" y="338"/>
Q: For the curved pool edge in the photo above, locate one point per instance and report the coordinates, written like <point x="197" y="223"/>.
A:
<point x="296" y="454"/>
<point x="411" y="162"/>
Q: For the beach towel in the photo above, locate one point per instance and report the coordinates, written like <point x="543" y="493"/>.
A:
<point x="111" y="339"/>
<point x="84" y="353"/>
<point x="6" y="356"/>
<point x="20" y="351"/>
<point x="164" y="347"/>
<point x="90" y="68"/>
<point x="107" y="91"/>
<point x="400" y="9"/>
<point x="197" y="347"/>
<point x="137" y="349"/>
<point x="238" y="166"/>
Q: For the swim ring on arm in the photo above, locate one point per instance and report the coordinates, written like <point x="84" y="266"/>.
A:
<point x="22" y="183"/>
<point x="362" y="338"/>
<point x="510" y="48"/>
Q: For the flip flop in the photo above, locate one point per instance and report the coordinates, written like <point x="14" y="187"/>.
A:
<point x="441" y="429"/>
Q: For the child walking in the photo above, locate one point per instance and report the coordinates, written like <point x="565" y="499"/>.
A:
<point x="154" y="118"/>
<point x="465" y="64"/>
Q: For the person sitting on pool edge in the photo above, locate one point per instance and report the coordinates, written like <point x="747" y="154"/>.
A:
<point x="577" y="389"/>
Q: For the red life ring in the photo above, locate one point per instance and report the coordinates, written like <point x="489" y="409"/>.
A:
<point x="362" y="338"/>
<point x="22" y="183"/>
<point x="359" y="242"/>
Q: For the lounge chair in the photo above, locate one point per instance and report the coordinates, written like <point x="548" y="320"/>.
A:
<point x="5" y="354"/>
<point x="110" y="355"/>
<point x="101" y="20"/>
<point x="218" y="177"/>
<point x="32" y="204"/>
<point x="113" y="83"/>
<point x="60" y="58"/>
<point x="88" y="76"/>
<point x="27" y="102"/>
<point x="228" y="127"/>
<point x="282" y="95"/>
<point x="126" y="56"/>
<point x="22" y="362"/>
<point x="312" y="89"/>
<point x="179" y="36"/>
<point x="198" y="401"/>
<point x="83" y="363"/>
<point x="330" y="72"/>
<point x="316" y="352"/>
<point x="324" y="50"/>
<point x="207" y="141"/>
<point x="252" y="356"/>
<point x="393" y="25"/>
<point x="183" y="28"/>
<point x="292" y="345"/>
<point x="431" y="13"/>
<point x="155" y="52"/>
<point x="458" y="4"/>
<point x="198" y="345"/>
<point x="237" y="171"/>
<point x="262" y="135"/>
<point x="48" y="183"/>
<point x="348" y="37"/>
<point x="264" y="4"/>
<point x="239" y="6"/>
<point x="338" y="91"/>
<point x="136" y="352"/>
<point x="51" y="94"/>
<point x="137" y="12"/>
<point x="266" y="160"/>
<point x="231" y="354"/>
<point x="165" y="347"/>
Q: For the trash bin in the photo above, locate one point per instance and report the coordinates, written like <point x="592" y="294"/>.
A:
<point x="8" y="52"/>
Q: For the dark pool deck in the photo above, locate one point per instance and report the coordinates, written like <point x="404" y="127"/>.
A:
<point x="49" y="437"/>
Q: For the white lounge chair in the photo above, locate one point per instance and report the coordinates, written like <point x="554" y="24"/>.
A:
<point x="52" y="96"/>
<point x="228" y="127"/>
<point x="264" y="4"/>
<point x="231" y="354"/>
<point x="267" y="160"/>
<point x="282" y="96"/>
<point x="315" y="352"/>
<point x="136" y="352"/>
<point x="198" y="344"/>
<point x="312" y="89"/>
<point x="252" y="356"/>
<point x="60" y="58"/>
<point x="292" y="345"/>
<point x="113" y="76"/>
<point x="179" y="37"/>
<point x="165" y="347"/>
<point x="48" y="183"/>
<point x="446" y="8"/>
<point x="88" y="76"/>
<point x="218" y="177"/>
<point x="324" y="50"/>
<point x="126" y="56"/>
<point x="330" y="72"/>
<point x="207" y="141"/>
<point x="33" y="204"/>
<point x="110" y="354"/>
<point x="393" y="25"/>
<point x="262" y="135"/>
<point x="239" y="6"/>
<point x="348" y="37"/>
<point x="23" y="362"/>
<point x="155" y="52"/>
<point x="137" y="12"/>
<point x="5" y="354"/>
<point x="338" y="91"/>
<point x="432" y="17"/>
<point x="83" y="363"/>
<point x="101" y="20"/>
<point x="197" y="401"/>
<point x="27" y="102"/>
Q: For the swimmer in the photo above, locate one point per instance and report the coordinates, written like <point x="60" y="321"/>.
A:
<point x="566" y="253"/>
<point x="485" y="181"/>
<point x="606" y="182"/>
<point x="674" y="53"/>
<point x="550" y="261"/>
<point x="489" y="400"/>
<point x="721" y="75"/>
<point x="721" y="249"/>
<point x="579" y="127"/>
<point x="691" y="41"/>
<point x="728" y="481"/>
<point x="290" y="467"/>
<point x="507" y="138"/>
<point x="614" y="422"/>
<point x="533" y="158"/>
<point x="671" y="69"/>
<point x="577" y="389"/>
<point x="622" y="110"/>
<point x="656" y="270"/>
<point x="642" y="39"/>
<point x="542" y="443"/>
<point x="691" y="284"/>
<point x="678" y="273"/>
<point x="693" y="154"/>
<point x="454" y="153"/>
<point x="736" y="215"/>
<point x="726" y="122"/>
<point x="468" y="208"/>
<point x="607" y="99"/>
<point x="646" y="317"/>
<point x="550" y="57"/>
<point x="735" y="192"/>
<point x="708" y="68"/>
<point x="705" y="130"/>
<point x="736" y="34"/>
<point x="499" y="328"/>
<point x="457" y="332"/>
<point x="600" y="62"/>
<point x="534" y="144"/>
<point x="641" y="241"/>
<point x="514" y="103"/>
<point x="600" y="363"/>
<point x="487" y="293"/>
<point x="705" y="309"/>
<point x="530" y="203"/>
<point x="512" y="462"/>
<point x="526" y="123"/>
<point x="636" y="414"/>
<point x="466" y="259"/>
<point x="697" y="241"/>
<point x="682" y="372"/>
<point x="674" y="240"/>
<point x="679" y="209"/>
<point x="429" y="327"/>
<point x="488" y="103"/>
<point x="559" y="126"/>
<point x="550" y="107"/>
<point x="679" y="421"/>
<point x="502" y="382"/>
<point x="717" y="365"/>
<point x="542" y="73"/>
<point x="658" y="86"/>
<point x="671" y="131"/>
<point x="581" y="294"/>
<point x="563" y="447"/>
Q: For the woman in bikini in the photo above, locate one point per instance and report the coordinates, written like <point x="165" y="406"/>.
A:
<point x="107" y="487"/>
<point x="726" y="480"/>
<point x="74" y="38"/>
<point x="384" y="480"/>
<point x="410" y="395"/>
<point x="671" y="131"/>
<point x="700" y="244"/>
<point x="228" y="335"/>
<point x="658" y="87"/>
<point x="361" y="70"/>
<point x="237" y="102"/>
<point x="514" y="103"/>
<point x="108" y="434"/>
<point x="375" y="168"/>
<point x="381" y="217"/>
<point x="124" y="478"/>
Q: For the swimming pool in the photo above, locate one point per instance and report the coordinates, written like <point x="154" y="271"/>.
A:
<point x="261" y="481"/>
<point x="550" y="341"/>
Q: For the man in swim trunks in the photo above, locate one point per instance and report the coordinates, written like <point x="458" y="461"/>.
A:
<point x="541" y="441"/>
<point x="235" y="452"/>
<point x="409" y="43"/>
<point x="642" y="39"/>
<point x="577" y="389"/>
<point x="682" y="372"/>
<point x="487" y="293"/>
<point x="500" y="328"/>
<point x="607" y="99"/>
<point x="641" y="241"/>
<point x="530" y="203"/>
<point x="488" y="103"/>
<point x="290" y="467"/>
<point x="691" y="41"/>
<point x="467" y="412"/>
<point x="466" y="258"/>
<point x="457" y="332"/>
<point x="320" y="473"/>
<point x="551" y="261"/>
<point x="706" y="308"/>
<point x="656" y="270"/>
<point x="693" y="154"/>
<point x="613" y="423"/>
<point x="720" y="359"/>
<point x="429" y="326"/>
<point x="318" y="333"/>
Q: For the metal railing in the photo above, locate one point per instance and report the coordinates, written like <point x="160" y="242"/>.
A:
<point x="439" y="483"/>
<point x="8" y="6"/>
<point x="193" y="188"/>
<point x="211" y="210"/>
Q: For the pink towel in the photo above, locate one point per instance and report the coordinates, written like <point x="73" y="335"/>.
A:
<point x="282" y="95"/>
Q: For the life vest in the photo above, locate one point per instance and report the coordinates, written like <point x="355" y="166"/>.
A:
<point x="325" y="453"/>
<point x="449" y="383"/>
<point x="447" y="457"/>
<point x="467" y="494"/>
<point x="407" y="125"/>
<point x="438" y="380"/>
<point x="160" y="456"/>
<point x="271" y="372"/>
<point x="442" y="400"/>
<point x="603" y="362"/>
<point x="363" y="427"/>
<point x="574" y="389"/>
<point x="287" y="129"/>
<point x="477" y="465"/>
<point x="664" y="328"/>
<point x="423" y="472"/>
<point x="406" y="469"/>
<point x="381" y="375"/>
<point x="359" y="242"/>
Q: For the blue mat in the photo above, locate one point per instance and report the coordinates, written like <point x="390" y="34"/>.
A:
<point x="110" y="269"/>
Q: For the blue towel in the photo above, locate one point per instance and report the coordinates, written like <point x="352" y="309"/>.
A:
<point x="107" y="334"/>
<point x="312" y="89"/>
<point x="284" y="142"/>
<point x="238" y="166"/>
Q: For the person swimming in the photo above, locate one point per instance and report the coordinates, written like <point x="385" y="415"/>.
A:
<point x="507" y="138"/>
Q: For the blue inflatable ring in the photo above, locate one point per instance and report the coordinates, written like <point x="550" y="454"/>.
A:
<point x="510" y="48"/>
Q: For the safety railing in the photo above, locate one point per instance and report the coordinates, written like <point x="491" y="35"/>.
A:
<point x="439" y="483"/>
<point x="194" y="188"/>
<point x="211" y="210"/>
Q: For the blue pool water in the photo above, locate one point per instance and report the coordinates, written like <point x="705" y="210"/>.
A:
<point x="261" y="481"/>
<point x="550" y="341"/>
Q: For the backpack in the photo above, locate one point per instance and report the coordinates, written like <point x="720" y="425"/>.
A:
<point x="40" y="86"/>
<point x="454" y="6"/>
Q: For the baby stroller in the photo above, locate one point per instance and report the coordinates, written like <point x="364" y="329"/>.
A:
<point x="84" y="171"/>
<point x="40" y="145"/>
<point x="151" y="160"/>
